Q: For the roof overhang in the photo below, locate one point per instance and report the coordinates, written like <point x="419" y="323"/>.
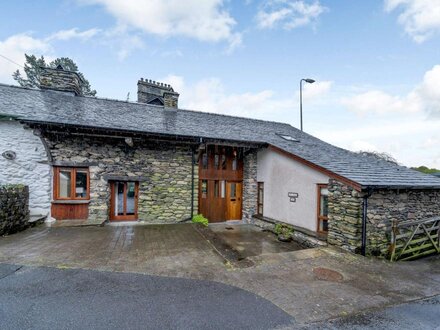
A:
<point x="399" y="187"/>
<point x="63" y="128"/>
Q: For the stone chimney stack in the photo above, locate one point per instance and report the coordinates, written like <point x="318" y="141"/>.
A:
<point x="156" y="93"/>
<point x="60" y="80"/>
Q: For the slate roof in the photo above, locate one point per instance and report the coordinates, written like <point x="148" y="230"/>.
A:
<point x="64" y="108"/>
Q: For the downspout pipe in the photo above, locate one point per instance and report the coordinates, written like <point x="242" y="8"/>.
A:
<point x="364" y="220"/>
<point x="193" y="159"/>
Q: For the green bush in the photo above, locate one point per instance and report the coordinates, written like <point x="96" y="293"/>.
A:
<point x="199" y="218"/>
<point x="282" y="229"/>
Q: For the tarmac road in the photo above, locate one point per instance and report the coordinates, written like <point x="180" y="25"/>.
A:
<point x="51" y="298"/>
<point x="421" y="314"/>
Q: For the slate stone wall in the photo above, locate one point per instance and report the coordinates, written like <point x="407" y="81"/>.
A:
<point x="250" y="193"/>
<point x="384" y="206"/>
<point x="14" y="208"/>
<point x="60" y="80"/>
<point x="163" y="170"/>
<point x="344" y="216"/>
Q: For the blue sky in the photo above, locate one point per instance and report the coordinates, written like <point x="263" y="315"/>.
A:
<point x="376" y="62"/>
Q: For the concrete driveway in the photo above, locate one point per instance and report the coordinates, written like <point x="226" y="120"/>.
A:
<point x="311" y="285"/>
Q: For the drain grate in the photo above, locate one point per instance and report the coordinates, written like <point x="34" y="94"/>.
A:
<point x="325" y="274"/>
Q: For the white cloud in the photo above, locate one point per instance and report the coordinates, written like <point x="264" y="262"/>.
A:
<point x="210" y="95"/>
<point x="317" y="89"/>
<point x="289" y="14"/>
<point x="14" y="48"/>
<point x="73" y="34"/>
<point x="361" y="145"/>
<point x="423" y="98"/>
<point x="409" y="138"/>
<point x="419" y="18"/>
<point x="122" y="42"/>
<point x="205" y="20"/>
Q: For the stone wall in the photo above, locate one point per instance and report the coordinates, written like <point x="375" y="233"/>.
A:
<point x="344" y="216"/>
<point x="29" y="167"/>
<point x="250" y="193"/>
<point x="14" y="208"/>
<point x="384" y="206"/>
<point x="163" y="170"/>
<point x="61" y="80"/>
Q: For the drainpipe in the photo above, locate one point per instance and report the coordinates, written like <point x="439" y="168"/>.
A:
<point x="364" y="220"/>
<point x="193" y="160"/>
<point x="192" y="181"/>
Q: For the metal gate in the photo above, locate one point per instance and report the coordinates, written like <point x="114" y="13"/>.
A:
<point x="414" y="239"/>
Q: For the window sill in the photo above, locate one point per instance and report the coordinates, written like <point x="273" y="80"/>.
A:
<point x="71" y="201"/>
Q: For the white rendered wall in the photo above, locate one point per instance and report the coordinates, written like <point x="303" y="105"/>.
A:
<point x="25" y="168"/>
<point x="282" y="175"/>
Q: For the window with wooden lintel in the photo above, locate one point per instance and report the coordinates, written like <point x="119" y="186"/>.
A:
<point x="260" y="198"/>
<point x="322" y="208"/>
<point x="71" y="183"/>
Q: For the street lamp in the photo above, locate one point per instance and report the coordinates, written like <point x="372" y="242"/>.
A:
<point x="309" y="81"/>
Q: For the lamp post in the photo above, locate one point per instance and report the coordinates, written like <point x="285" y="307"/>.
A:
<point x="309" y="81"/>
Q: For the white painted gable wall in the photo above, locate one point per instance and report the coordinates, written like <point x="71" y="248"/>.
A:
<point x="282" y="175"/>
<point x="26" y="167"/>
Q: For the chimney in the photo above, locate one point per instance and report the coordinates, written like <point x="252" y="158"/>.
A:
<point x="157" y="93"/>
<point x="60" y="80"/>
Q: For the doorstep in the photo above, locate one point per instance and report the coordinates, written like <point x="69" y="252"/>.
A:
<point x="75" y="223"/>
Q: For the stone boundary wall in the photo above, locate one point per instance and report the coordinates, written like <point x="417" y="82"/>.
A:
<point x="302" y="237"/>
<point x="384" y="206"/>
<point x="14" y="208"/>
<point x="250" y="189"/>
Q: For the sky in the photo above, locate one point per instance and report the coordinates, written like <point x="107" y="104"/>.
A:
<point x="376" y="63"/>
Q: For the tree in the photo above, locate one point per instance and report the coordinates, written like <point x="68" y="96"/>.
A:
<point x="33" y="68"/>
<point x="379" y="155"/>
<point x="426" y="170"/>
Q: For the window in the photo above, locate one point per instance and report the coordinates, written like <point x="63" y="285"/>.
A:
<point x="216" y="161"/>
<point x="234" y="161"/>
<point x="222" y="189"/>
<point x="288" y="137"/>
<point x="71" y="183"/>
<point x="223" y="160"/>
<point x="205" y="161"/>
<point x="233" y="192"/>
<point x="260" y="198"/>
<point x="204" y="188"/>
<point x="216" y="189"/>
<point x="322" y="208"/>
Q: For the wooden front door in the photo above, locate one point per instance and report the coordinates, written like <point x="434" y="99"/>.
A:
<point x="124" y="201"/>
<point x="233" y="200"/>
<point x="220" y="169"/>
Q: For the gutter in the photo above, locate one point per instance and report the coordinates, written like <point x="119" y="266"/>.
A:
<point x="364" y="220"/>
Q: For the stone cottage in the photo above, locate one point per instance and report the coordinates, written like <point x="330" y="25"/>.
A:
<point x="108" y="160"/>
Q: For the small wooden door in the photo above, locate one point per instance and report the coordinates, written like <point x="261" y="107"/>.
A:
<point x="233" y="200"/>
<point x="124" y="201"/>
